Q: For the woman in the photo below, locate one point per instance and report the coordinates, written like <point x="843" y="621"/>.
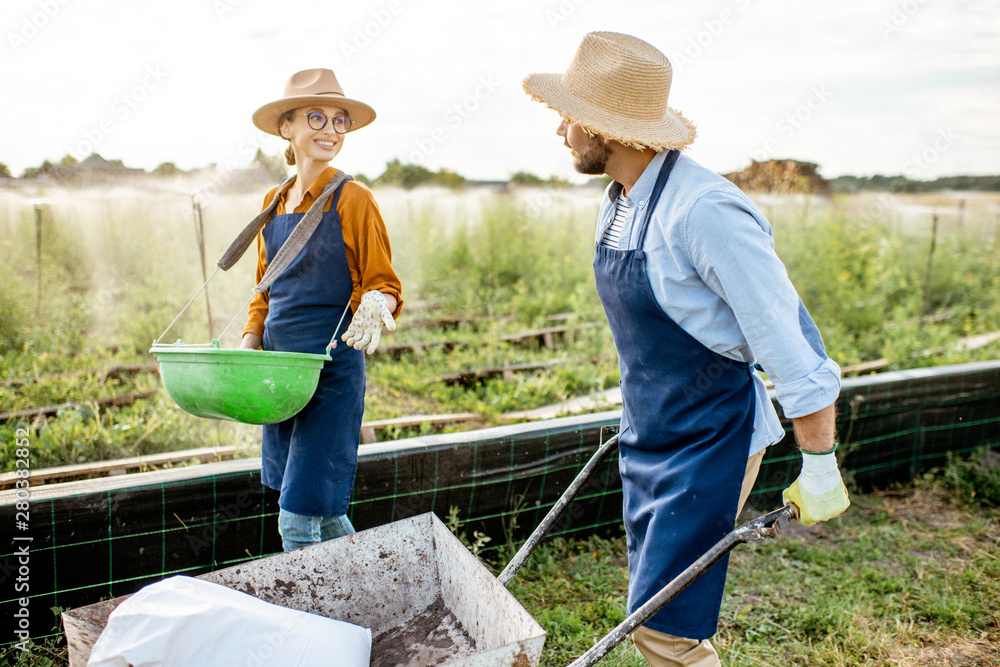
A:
<point x="346" y="264"/>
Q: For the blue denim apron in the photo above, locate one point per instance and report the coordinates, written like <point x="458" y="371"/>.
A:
<point x="312" y="457"/>
<point x="685" y="437"/>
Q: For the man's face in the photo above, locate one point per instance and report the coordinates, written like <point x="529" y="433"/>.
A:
<point x="590" y="153"/>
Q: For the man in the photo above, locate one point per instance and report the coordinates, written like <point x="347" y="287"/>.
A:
<point x="695" y="298"/>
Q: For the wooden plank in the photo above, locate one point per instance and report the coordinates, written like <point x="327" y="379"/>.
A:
<point x="470" y="377"/>
<point x="417" y="306"/>
<point x="112" y="401"/>
<point x="397" y="350"/>
<point x="605" y="400"/>
<point x="866" y="367"/>
<point x="41" y="476"/>
<point x="546" y="335"/>
<point x="368" y="428"/>
<point x="453" y="322"/>
<point x="113" y="372"/>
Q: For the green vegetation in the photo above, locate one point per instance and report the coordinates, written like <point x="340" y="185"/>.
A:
<point x="879" y="183"/>
<point x="409" y="176"/>
<point x="529" y="179"/>
<point x="115" y="272"/>
<point x="907" y="576"/>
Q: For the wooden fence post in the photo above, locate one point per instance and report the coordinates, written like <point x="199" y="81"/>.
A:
<point x="930" y="261"/>
<point x="199" y="230"/>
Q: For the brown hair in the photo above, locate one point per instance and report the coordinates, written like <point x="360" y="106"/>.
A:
<point x="283" y="118"/>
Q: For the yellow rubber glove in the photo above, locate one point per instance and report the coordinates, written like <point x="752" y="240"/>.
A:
<point x="819" y="491"/>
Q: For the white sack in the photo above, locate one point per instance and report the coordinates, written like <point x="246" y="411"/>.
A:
<point x="182" y="621"/>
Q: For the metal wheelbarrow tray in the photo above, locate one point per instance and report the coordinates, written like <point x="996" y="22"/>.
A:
<point x="426" y="598"/>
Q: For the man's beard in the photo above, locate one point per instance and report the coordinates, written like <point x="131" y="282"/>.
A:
<point x="593" y="159"/>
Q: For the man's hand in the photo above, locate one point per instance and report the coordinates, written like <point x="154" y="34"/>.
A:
<point x="819" y="491"/>
<point x="366" y="326"/>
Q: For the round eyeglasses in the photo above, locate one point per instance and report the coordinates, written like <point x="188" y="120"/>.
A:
<point x="317" y="121"/>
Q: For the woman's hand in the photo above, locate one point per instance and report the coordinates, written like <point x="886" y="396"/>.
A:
<point x="366" y="325"/>
<point x="251" y="341"/>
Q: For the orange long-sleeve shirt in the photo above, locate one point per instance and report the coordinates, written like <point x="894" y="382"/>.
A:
<point x="366" y="241"/>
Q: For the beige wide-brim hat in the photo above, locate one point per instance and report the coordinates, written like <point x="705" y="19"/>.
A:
<point x="312" y="87"/>
<point x="617" y="87"/>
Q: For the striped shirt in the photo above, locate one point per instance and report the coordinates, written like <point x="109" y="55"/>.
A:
<point x="614" y="232"/>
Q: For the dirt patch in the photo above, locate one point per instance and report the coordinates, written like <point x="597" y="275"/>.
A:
<point x="956" y="653"/>
<point x="522" y="660"/>
<point x="431" y="637"/>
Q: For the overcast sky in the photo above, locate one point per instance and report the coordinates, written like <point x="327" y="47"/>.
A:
<point x="858" y="86"/>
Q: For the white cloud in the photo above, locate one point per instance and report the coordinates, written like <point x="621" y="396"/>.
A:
<point x="413" y="60"/>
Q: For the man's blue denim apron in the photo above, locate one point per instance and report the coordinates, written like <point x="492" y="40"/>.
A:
<point x="312" y="457"/>
<point x="685" y="437"/>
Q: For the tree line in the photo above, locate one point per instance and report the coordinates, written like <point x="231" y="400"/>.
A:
<point x="408" y="176"/>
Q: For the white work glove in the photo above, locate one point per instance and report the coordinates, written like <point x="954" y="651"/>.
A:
<point x="819" y="491"/>
<point x="366" y="326"/>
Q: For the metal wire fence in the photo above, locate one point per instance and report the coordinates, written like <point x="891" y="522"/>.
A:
<point x="77" y="543"/>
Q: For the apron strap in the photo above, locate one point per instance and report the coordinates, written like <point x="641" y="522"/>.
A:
<point x="239" y="247"/>
<point x="661" y="180"/>
<point x="293" y="245"/>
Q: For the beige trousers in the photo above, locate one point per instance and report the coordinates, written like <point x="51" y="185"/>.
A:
<point x="663" y="650"/>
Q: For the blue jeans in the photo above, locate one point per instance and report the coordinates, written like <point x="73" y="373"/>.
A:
<point x="300" y="530"/>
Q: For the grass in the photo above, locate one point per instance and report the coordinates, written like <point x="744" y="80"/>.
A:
<point x="117" y="266"/>
<point x="908" y="577"/>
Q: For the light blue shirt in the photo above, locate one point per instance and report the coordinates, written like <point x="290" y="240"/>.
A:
<point x="712" y="267"/>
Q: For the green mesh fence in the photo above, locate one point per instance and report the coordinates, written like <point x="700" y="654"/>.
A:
<point x="109" y="537"/>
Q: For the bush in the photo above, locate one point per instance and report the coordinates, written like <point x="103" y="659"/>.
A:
<point x="975" y="479"/>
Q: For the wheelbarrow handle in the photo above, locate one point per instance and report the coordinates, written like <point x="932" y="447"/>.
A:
<point x="763" y="527"/>
<point x="557" y="510"/>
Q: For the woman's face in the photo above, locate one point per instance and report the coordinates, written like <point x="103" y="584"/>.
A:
<point x="309" y="144"/>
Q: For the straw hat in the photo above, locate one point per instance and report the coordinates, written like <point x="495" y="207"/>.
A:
<point x="617" y="87"/>
<point x="308" y="88"/>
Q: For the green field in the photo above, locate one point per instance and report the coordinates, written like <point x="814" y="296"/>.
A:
<point x="116" y="265"/>
<point x="907" y="577"/>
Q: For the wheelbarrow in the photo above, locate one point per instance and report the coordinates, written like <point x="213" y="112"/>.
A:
<point x="426" y="598"/>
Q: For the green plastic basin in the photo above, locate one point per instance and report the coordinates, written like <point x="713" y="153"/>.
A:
<point x="249" y="386"/>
